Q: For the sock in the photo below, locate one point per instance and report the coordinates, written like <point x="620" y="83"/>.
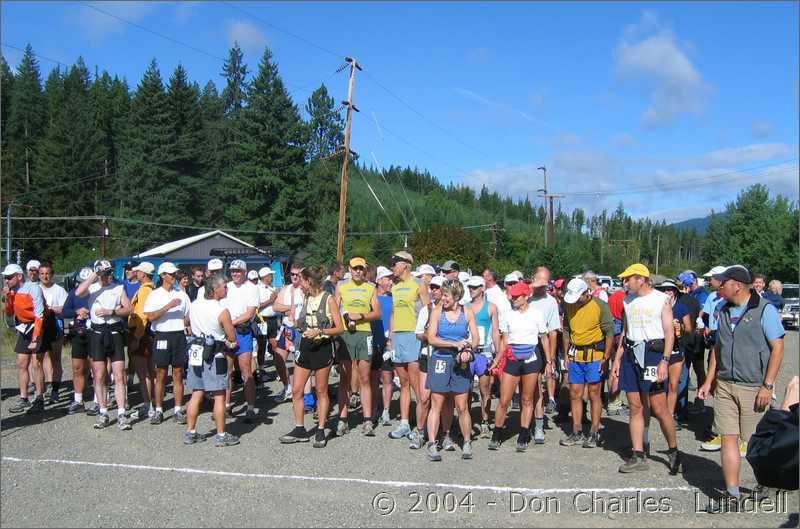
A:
<point x="121" y="412"/>
<point x="192" y="432"/>
<point x="78" y="398"/>
<point x="646" y="436"/>
<point x="733" y="490"/>
<point x="404" y="421"/>
<point x="539" y="422"/>
<point x="159" y="409"/>
<point x="150" y="407"/>
<point x="94" y="399"/>
<point x="672" y="450"/>
<point x="638" y="454"/>
<point x="177" y="409"/>
<point x="56" y="386"/>
<point x="300" y="426"/>
<point x="103" y="411"/>
<point x="247" y="407"/>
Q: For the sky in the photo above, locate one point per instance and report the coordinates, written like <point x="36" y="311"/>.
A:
<point x="670" y="108"/>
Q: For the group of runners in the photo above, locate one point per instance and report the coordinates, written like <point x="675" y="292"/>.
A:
<point x="564" y="348"/>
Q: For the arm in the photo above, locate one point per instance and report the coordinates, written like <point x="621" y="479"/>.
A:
<point x="374" y="313"/>
<point x="338" y="324"/>
<point x="38" y="315"/>
<point x="473" y="328"/>
<point x="775" y="358"/>
<point x="156" y="314"/>
<point x="424" y="297"/>
<point x="278" y="305"/>
<point x="495" y="327"/>
<point x="83" y="288"/>
<point x="669" y="341"/>
<point x="247" y="316"/>
<point x="711" y="376"/>
<point x="269" y="301"/>
<point x="227" y="326"/>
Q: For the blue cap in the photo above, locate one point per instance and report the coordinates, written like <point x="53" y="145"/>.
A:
<point x="687" y="278"/>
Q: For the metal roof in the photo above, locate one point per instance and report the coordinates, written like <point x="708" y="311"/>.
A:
<point x="182" y="243"/>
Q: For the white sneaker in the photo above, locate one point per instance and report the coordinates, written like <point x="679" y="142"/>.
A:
<point x="396" y="382"/>
<point x="287" y="393"/>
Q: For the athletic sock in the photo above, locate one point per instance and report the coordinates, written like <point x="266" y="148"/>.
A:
<point x="539" y="422"/>
<point x="121" y="412"/>
<point x="159" y="410"/>
<point x="192" y="432"/>
<point x="404" y="421"/>
<point x="733" y="490"/>
<point x="638" y="454"/>
<point x="103" y="411"/>
<point x="177" y="409"/>
<point x="78" y="398"/>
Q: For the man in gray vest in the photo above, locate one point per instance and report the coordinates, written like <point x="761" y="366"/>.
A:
<point x="747" y="356"/>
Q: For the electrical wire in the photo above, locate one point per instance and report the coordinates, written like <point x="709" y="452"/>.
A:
<point x="11" y="46"/>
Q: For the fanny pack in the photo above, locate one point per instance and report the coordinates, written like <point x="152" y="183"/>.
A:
<point x="107" y="332"/>
<point x="590" y="353"/>
<point x="244" y="328"/>
<point x="639" y="348"/>
<point x="209" y="345"/>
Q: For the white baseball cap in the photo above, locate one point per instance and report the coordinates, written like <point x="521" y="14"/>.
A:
<point x="238" y="264"/>
<point x="715" y="271"/>
<point x="214" y="265"/>
<point x="511" y="278"/>
<point x="416" y="273"/>
<point x="167" y="268"/>
<point x="426" y="269"/>
<point x="463" y="277"/>
<point x="12" y="269"/>
<point x="383" y="272"/>
<point x="252" y="274"/>
<point x="476" y="281"/>
<point x="101" y="265"/>
<point x="145" y="267"/>
<point x="575" y="288"/>
<point x="33" y="264"/>
<point x="84" y="273"/>
<point x="265" y="271"/>
<point x="438" y="281"/>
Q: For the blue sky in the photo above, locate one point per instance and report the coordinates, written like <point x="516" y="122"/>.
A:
<point x="671" y="108"/>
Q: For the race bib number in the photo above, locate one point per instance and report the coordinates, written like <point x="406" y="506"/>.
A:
<point x="440" y="367"/>
<point x="263" y="328"/>
<point x="650" y="373"/>
<point x="388" y="355"/>
<point x="481" y="336"/>
<point x="161" y="345"/>
<point x="532" y="358"/>
<point x="571" y="351"/>
<point x="369" y="345"/>
<point x="195" y="354"/>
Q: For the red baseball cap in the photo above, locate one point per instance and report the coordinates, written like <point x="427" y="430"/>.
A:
<point x="520" y="289"/>
<point x="559" y="283"/>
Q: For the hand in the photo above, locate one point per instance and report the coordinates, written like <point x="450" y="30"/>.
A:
<point x="354" y="316"/>
<point x="100" y="312"/>
<point x="704" y="391"/>
<point x="603" y="364"/>
<point x="762" y="399"/>
<point x="464" y="357"/>
<point x="6" y="290"/>
<point x="706" y="332"/>
<point x="82" y="314"/>
<point x="662" y="371"/>
<point x="173" y="303"/>
<point x="33" y="345"/>
<point x="615" y="369"/>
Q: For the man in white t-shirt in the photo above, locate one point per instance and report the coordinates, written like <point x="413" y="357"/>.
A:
<point x="290" y="303"/>
<point x="167" y="310"/>
<point x="53" y="331"/>
<point x="266" y="337"/>
<point x="214" y="266"/>
<point x="642" y="361"/>
<point x="242" y="303"/>
<point x="548" y="306"/>
<point x="495" y="294"/>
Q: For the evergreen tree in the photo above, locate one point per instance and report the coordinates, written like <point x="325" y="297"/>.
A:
<point x="26" y="121"/>
<point x="235" y="73"/>
<point x="325" y="125"/>
<point x="6" y="88"/>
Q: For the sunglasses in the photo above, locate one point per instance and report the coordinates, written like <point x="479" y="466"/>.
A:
<point x="359" y="268"/>
<point x="294" y="274"/>
<point x="511" y="283"/>
<point x="395" y="260"/>
<point x="435" y="287"/>
<point x="471" y="287"/>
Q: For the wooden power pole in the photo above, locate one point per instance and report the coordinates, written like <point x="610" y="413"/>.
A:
<point x="343" y="185"/>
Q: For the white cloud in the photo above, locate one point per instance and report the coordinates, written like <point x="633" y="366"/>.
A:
<point x="761" y="129"/>
<point x="735" y="156"/>
<point x="98" y="26"/>
<point x="250" y="38"/>
<point x="649" y="51"/>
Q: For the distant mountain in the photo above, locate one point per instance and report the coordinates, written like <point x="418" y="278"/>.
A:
<point x="700" y="225"/>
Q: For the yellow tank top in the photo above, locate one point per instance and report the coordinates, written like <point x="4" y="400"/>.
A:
<point x="356" y="298"/>
<point x="404" y="305"/>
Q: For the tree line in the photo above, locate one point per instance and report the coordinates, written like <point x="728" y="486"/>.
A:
<point x="245" y="156"/>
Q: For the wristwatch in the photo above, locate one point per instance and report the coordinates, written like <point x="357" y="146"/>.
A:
<point x="770" y="387"/>
<point x="664" y="359"/>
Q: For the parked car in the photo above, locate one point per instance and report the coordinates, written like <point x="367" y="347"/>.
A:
<point x="790" y="315"/>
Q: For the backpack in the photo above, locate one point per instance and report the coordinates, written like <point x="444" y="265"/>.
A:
<point x="323" y="322"/>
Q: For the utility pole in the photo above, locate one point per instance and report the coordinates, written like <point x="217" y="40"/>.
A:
<point x="494" y="241"/>
<point x="550" y="237"/>
<point x="543" y="193"/>
<point x="658" y="248"/>
<point x="343" y="185"/>
<point x="8" y="233"/>
<point x="104" y="238"/>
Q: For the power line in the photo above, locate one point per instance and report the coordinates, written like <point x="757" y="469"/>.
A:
<point x="63" y="184"/>
<point x="34" y="54"/>
<point x="403" y="187"/>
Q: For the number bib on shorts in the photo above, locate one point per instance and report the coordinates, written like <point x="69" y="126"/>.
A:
<point x="196" y="354"/>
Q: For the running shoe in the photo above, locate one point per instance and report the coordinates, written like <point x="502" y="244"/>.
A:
<point x="190" y="438"/>
<point x="180" y="417"/>
<point x="466" y="450"/>
<point x="484" y="433"/>
<point x="20" y="406"/>
<point x="225" y="439"/>
<point x="415" y="440"/>
<point x="94" y="410"/>
<point x="523" y="438"/>
<point x="298" y="435"/>
<point x="250" y="416"/>
<point x="123" y="422"/>
<point x="342" y="428"/>
<point x="368" y="427"/>
<point x="386" y="419"/>
<point x="319" y="439"/>
<point x="432" y="452"/>
<point x="634" y="464"/>
<point x="675" y="462"/>
<point x="712" y="445"/>
<point x="447" y="443"/>
<point x="551" y="407"/>
<point x="572" y="440"/>
<point x="102" y="421"/>
<point x="75" y="407"/>
<point x="402" y="430"/>
<point x="157" y="418"/>
<point x="37" y="406"/>
<point x="592" y="440"/>
<point x="497" y="438"/>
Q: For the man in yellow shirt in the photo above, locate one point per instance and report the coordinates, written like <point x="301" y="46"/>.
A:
<point x="140" y="341"/>
<point x="588" y="333"/>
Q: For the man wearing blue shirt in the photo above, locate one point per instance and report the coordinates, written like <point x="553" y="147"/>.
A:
<point x="745" y="370"/>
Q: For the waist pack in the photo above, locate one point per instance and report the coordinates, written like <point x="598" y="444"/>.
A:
<point x="107" y="332"/>
<point x="244" y="328"/>
<point x="210" y="347"/>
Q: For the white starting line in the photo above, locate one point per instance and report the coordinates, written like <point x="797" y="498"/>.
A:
<point x="395" y="484"/>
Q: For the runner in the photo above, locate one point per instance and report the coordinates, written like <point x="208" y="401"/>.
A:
<point x="402" y="339"/>
<point x="595" y="288"/>
<point x="382" y="366"/>
<point x="360" y="304"/>
<point x="108" y="305"/>
<point x="588" y="335"/>
<point x="196" y="283"/>
<point x="683" y="327"/>
<point x="449" y="372"/>
<point x="167" y="311"/>
<point x="487" y="322"/>
<point x="266" y="337"/>
<point x="545" y="304"/>
<point x="417" y="436"/>
<point x="523" y="329"/>
<point x="319" y="320"/>
<point x="214" y="266"/>
<point x="140" y="339"/>
<point x="242" y="302"/>
<point x="130" y="281"/>
<point x="76" y="311"/>
<point x="53" y="331"/>
<point x="289" y="302"/>
<point x="24" y="300"/>
<point x="32" y="270"/>
<point x="642" y="361"/>
<point x="213" y="333"/>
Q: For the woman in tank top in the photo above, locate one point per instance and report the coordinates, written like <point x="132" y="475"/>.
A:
<point x="453" y="335"/>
